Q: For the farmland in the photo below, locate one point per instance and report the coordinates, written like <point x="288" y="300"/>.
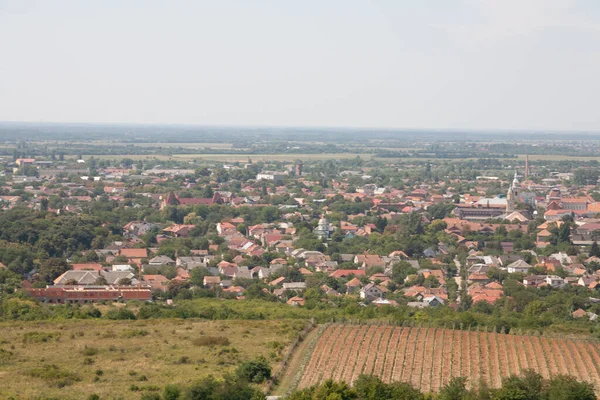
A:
<point x="120" y="359"/>
<point x="429" y="357"/>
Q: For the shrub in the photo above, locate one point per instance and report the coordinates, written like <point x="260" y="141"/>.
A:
<point x="88" y="361"/>
<point x="54" y="375"/>
<point x="255" y="371"/>
<point x="171" y="392"/>
<point x="130" y="333"/>
<point x="119" y="313"/>
<point x="89" y="351"/>
<point x="5" y="356"/>
<point x="93" y="397"/>
<point x="211" y="341"/>
<point x="40" y="337"/>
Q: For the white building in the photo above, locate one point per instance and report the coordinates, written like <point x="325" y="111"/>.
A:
<point x="271" y="176"/>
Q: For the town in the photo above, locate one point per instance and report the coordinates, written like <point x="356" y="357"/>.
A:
<point x="303" y="233"/>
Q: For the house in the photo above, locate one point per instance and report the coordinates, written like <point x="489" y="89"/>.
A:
<point x="353" y="285"/>
<point x="369" y="260"/>
<point x="158" y="282"/>
<point x="190" y="263"/>
<point x="344" y="273"/>
<point x="178" y="230"/>
<point x="224" y="227"/>
<point x="94" y="278"/>
<point x="133" y="253"/>
<point x="370" y="292"/>
<point x="555" y="281"/>
<point x="384" y="302"/>
<point x="296" y="301"/>
<point x="81" y="294"/>
<point x="211" y="281"/>
<point x="518" y="266"/>
<point x="122" y="268"/>
<point x="534" y="280"/>
<point x="87" y="267"/>
<point x="278" y="281"/>
<point x="137" y="228"/>
<point x="237" y="291"/>
<point x="161" y="260"/>
<point x="271" y="176"/>
<point x="295" y="286"/>
<point x="432" y="300"/>
<point x="242" y="273"/>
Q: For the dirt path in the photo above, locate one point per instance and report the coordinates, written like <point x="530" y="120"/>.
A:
<point x="294" y="364"/>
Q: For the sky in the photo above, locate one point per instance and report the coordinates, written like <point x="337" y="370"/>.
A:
<point x="429" y="64"/>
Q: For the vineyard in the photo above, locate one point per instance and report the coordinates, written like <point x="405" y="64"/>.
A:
<point x="429" y="357"/>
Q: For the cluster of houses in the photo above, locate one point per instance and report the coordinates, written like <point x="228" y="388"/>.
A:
<point x="128" y="269"/>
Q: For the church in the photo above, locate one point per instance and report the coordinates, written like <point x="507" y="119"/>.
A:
<point x="515" y="195"/>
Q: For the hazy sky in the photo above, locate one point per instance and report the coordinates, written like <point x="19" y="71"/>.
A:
<point x="499" y="64"/>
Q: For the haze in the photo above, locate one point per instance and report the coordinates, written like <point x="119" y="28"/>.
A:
<point x="462" y="64"/>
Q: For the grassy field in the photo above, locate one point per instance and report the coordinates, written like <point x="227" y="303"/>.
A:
<point x="234" y="157"/>
<point x="556" y="157"/>
<point x="270" y="157"/>
<point x="121" y="359"/>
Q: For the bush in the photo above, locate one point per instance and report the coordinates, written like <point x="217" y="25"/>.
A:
<point x="54" y="375"/>
<point x="230" y="388"/>
<point x="5" y="356"/>
<point x="119" y="313"/>
<point x="171" y="392"/>
<point x="39" y="337"/>
<point x="89" y="351"/>
<point x="130" y="333"/>
<point x="255" y="371"/>
<point x="211" y="341"/>
<point x="88" y="361"/>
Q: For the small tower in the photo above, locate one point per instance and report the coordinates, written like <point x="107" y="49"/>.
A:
<point x="512" y="195"/>
<point x="527" y="166"/>
<point x="299" y="168"/>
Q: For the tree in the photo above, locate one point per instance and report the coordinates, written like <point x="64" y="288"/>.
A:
<point x="527" y="387"/>
<point x="595" y="250"/>
<point x="44" y="204"/>
<point x="100" y="281"/>
<point x="456" y="389"/>
<point x="563" y="387"/>
<point x="588" y="176"/>
<point x="401" y="270"/>
<point x="52" y="268"/>
<point x="255" y="371"/>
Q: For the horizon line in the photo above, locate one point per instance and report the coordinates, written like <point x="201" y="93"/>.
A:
<point x="333" y="127"/>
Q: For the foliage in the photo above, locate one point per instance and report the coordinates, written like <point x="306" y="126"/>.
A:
<point x="211" y="341"/>
<point x="230" y="388"/>
<point x="528" y="386"/>
<point x="255" y="371"/>
<point x="54" y="375"/>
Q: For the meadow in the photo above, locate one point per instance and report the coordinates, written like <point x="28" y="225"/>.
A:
<point x="121" y="359"/>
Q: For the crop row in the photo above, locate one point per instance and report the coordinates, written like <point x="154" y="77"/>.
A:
<point x="429" y="357"/>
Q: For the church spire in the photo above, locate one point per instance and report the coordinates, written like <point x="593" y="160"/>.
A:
<point x="512" y="195"/>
